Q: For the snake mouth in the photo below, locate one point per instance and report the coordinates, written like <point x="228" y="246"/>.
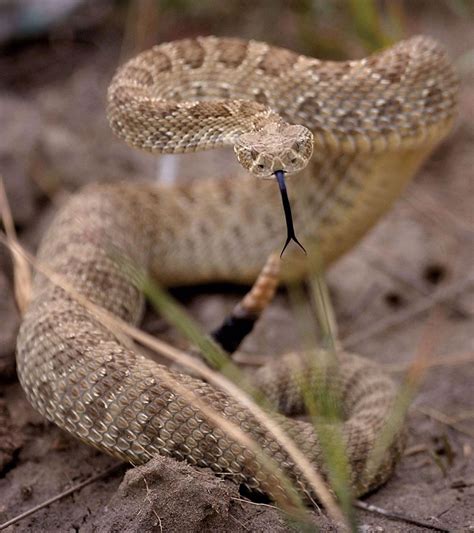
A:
<point x="290" y="235"/>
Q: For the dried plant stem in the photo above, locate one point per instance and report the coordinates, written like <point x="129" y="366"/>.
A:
<point x="286" y="495"/>
<point x="332" y="443"/>
<point x="22" y="272"/>
<point x="313" y="478"/>
<point x="456" y="359"/>
<point x="413" y="379"/>
<point x="443" y="419"/>
<point x="445" y="360"/>
<point x="398" y="516"/>
<point x="60" y="496"/>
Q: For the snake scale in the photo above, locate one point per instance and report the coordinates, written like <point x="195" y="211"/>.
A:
<point x="369" y="124"/>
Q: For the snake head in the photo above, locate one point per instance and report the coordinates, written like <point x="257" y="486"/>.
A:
<point x="275" y="147"/>
<point x="273" y="151"/>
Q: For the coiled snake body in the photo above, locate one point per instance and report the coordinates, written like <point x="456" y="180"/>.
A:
<point x="374" y="121"/>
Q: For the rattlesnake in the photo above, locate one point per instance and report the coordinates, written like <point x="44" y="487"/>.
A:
<point x="373" y="121"/>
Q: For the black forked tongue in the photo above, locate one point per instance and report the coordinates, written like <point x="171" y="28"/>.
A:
<point x="290" y="236"/>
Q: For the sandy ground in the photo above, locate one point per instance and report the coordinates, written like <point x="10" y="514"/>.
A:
<point x="55" y="138"/>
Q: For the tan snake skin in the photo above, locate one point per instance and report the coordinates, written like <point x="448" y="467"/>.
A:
<point x="374" y="121"/>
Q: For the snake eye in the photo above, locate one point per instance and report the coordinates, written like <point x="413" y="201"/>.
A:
<point x="261" y="167"/>
<point x="293" y="161"/>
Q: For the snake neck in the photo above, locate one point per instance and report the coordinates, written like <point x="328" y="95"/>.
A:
<point x="338" y="199"/>
<point x="171" y="126"/>
<point x="374" y="121"/>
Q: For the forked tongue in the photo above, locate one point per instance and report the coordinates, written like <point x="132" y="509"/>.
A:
<point x="290" y="236"/>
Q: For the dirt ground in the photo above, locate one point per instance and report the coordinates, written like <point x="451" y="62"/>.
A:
<point x="55" y="138"/>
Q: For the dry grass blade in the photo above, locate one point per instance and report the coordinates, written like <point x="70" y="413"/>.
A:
<point x="140" y="28"/>
<point x="323" y="404"/>
<point x="304" y="466"/>
<point x="414" y="377"/>
<point x="172" y="311"/>
<point x="447" y="360"/>
<point x="285" y="495"/>
<point x="399" y="516"/>
<point x="324" y="311"/>
<point x="444" y="419"/>
<point x="328" y="402"/>
<point x="21" y="269"/>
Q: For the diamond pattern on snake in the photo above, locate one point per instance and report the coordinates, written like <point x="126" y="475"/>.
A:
<point x="347" y="137"/>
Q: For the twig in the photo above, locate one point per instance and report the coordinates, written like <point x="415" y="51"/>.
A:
<point x="423" y="304"/>
<point x="463" y="358"/>
<point x="250" y="502"/>
<point x="391" y="515"/>
<point x="251" y="359"/>
<point x="241" y="524"/>
<point x="445" y="360"/>
<point x="60" y="496"/>
<point x="414" y="377"/>
<point x="22" y="272"/>
<point x="463" y="415"/>
<point x="150" y="501"/>
<point x="413" y="450"/>
<point x="443" y="419"/>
